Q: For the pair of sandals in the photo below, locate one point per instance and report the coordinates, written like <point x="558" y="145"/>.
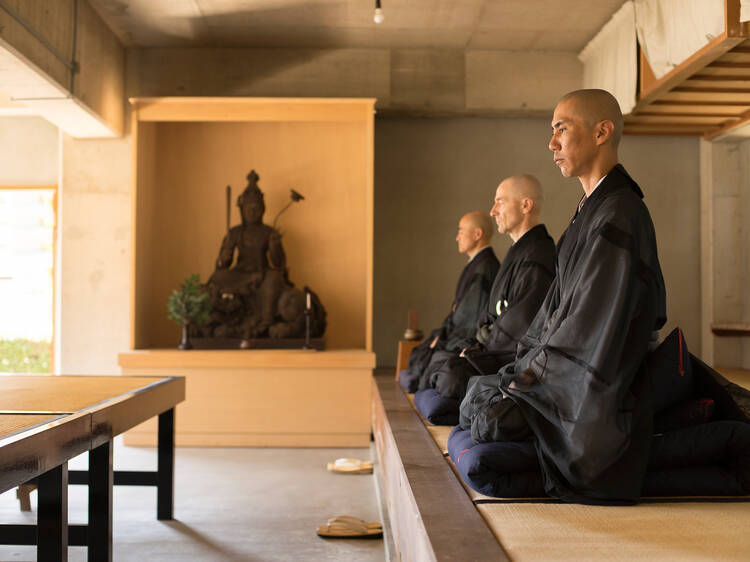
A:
<point x="349" y="527"/>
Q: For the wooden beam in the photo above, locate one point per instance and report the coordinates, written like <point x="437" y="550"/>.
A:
<point x="698" y="103"/>
<point x="647" y="78"/>
<point x="693" y="64"/>
<point x="739" y="98"/>
<point x="729" y="127"/>
<point x="713" y="90"/>
<point x="698" y="114"/>
<point x="729" y="64"/>
<point x="730" y="329"/>
<point x="661" y="133"/>
<point x="732" y="23"/>
<point x="671" y="119"/>
<point x="728" y="78"/>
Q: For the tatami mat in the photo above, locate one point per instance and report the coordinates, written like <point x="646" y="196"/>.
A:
<point x="675" y="531"/>
<point x="10" y="423"/>
<point x="410" y="398"/>
<point x="440" y="434"/>
<point x="49" y="393"/>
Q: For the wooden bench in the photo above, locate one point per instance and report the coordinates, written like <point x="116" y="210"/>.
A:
<point x="47" y="420"/>
<point x="431" y="516"/>
<point x="434" y="516"/>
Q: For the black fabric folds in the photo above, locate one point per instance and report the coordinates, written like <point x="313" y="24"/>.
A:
<point x="472" y="293"/>
<point x="579" y="376"/>
<point x="517" y="292"/>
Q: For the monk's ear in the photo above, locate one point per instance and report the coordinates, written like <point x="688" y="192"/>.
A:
<point x="527" y="205"/>
<point x="603" y="131"/>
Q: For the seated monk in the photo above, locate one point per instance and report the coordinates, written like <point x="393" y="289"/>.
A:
<point x="473" y="290"/>
<point x="517" y="292"/>
<point x="578" y="385"/>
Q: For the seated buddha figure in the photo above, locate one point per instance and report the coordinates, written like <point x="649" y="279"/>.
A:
<point x="257" y="275"/>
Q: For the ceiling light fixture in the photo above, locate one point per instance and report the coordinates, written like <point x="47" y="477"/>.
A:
<point x="378" y="17"/>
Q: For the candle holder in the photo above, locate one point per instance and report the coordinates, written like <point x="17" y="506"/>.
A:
<point x="307" y="345"/>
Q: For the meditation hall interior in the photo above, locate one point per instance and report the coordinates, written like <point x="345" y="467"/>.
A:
<point x="401" y="280"/>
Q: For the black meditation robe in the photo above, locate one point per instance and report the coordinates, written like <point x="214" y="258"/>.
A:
<point x="517" y="293"/>
<point x="579" y="373"/>
<point x="472" y="293"/>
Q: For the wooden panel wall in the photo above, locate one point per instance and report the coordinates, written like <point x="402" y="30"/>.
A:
<point x="183" y="170"/>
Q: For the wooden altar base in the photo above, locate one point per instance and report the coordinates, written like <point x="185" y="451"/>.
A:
<point x="262" y="398"/>
<point x="318" y="344"/>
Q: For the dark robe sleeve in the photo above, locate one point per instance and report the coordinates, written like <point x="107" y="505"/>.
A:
<point x="463" y="321"/>
<point x="530" y="285"/>
<point x="579" y="387"/>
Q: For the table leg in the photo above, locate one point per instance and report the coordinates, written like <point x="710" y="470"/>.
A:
<point x="101" y="480"/>
<point x="52" y="518"/>
<point x="165" y="470"/>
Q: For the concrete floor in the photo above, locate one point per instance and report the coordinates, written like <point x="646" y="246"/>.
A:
<point x="230" y="505"/>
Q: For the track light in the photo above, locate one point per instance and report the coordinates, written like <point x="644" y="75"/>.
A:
<point x="379" y="16"/>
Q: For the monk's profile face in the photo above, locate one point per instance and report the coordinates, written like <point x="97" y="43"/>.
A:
<point x="506" y="209"/>
<point x="573" y="142"/>
<point x="467" y="236"/>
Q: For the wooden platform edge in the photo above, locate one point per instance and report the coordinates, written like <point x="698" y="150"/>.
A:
<point x="431" y="515"/>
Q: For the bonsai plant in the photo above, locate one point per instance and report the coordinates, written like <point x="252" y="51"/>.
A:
<point x="189" y="305"/>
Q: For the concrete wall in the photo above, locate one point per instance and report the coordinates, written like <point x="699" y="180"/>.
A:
<point x="94" y="269"/>
<point x="31" y="73"/>
<point x="424" y="81"/>
<point x="28" y="151"/>
<point x="725" y="250"/>
<point x="428" y="172"/>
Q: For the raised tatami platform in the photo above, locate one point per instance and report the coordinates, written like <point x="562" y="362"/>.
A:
<point x="426" y="499"/>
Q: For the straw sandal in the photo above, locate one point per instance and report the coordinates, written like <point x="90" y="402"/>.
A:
<point x="347" y="527"/>
<point x="355" y="520"/>
<point x="350" y="466"/>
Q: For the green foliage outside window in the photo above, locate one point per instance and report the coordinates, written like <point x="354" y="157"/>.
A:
<point x="24" y="356"/>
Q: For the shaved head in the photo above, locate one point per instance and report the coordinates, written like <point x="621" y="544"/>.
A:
<point x="474" y="232"/>
<point x="594" y="106"/>
<point x="525" y="186"/>
<point x="482" y="221"/>
<point x="517" y="205"/>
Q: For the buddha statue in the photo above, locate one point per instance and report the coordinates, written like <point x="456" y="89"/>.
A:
<point x="251" y="296"/>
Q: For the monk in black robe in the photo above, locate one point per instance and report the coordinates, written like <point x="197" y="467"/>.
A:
<point x="472" y="292"/>
<point x="517" y="292"/>
<point x="578" y="385"/>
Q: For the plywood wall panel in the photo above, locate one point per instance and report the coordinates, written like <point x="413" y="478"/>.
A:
<point x="181" y="213"/>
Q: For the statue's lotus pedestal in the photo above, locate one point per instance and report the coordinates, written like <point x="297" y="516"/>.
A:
<point x="262" y="398"/>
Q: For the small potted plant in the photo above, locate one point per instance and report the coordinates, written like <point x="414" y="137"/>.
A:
<point x="189" y="305"/>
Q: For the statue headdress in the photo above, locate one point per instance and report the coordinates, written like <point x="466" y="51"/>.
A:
<point x="252" y="191"/>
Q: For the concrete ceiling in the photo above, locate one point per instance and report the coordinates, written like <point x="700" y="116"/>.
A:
<point x="518" y="25"/>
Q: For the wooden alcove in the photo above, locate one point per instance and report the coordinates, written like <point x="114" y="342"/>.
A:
<point x="185" y="152"/>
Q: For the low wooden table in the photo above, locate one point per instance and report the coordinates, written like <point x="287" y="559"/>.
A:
<point x="47" y="420"/>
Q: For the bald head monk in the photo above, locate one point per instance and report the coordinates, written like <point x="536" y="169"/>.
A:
<point x="518" y="205"/>
<point x="517" y="293"/>
<point x="474" y="233"/>
<point x="586" y="130"/>
<point x="475" y="230"/>
<point x="579" y="384"/>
